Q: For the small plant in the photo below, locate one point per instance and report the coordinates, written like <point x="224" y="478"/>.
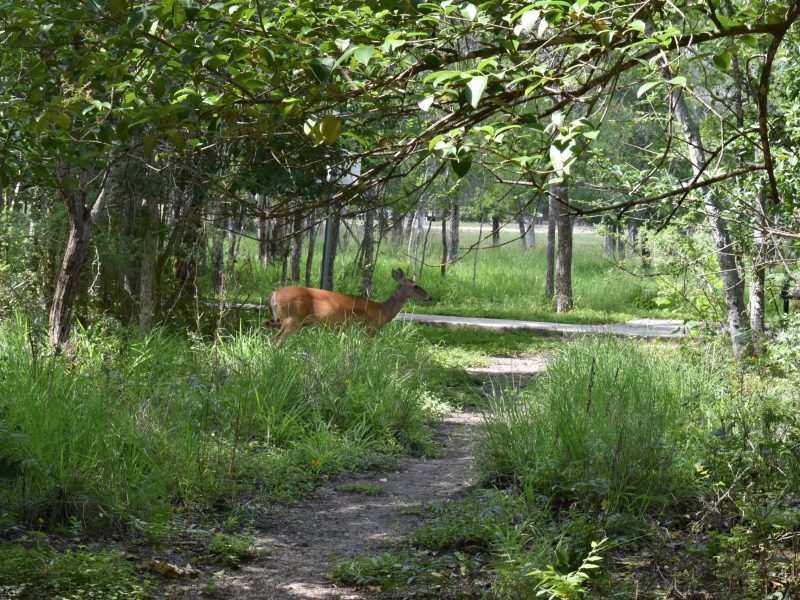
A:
<point x="554" y="584"/>
<point x="36" y="571"/>
<point x="233" y="550"/>
<point x="365" y="489"/>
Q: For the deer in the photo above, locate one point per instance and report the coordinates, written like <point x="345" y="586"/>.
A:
<point x="294" y="307"/>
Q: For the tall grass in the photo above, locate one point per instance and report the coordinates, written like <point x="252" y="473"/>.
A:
<point x="609" y="423"/>
<point x="135" y="427"/>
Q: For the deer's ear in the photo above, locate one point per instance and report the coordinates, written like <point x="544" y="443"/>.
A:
<point x="398" y="275"/>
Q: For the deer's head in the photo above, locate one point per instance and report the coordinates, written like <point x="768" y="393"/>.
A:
<point x="410" y="287"/>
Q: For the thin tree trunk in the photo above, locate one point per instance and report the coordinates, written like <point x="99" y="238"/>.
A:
<point x="147" y="306"/>
<point x="550" y="259"/>
<point x="757" y="303"/>
<point x="495" y="230"/>
<point x="368" y="253"/>
<point x="453" y="242"/>
<point x="217" y="261"/>
<point x="333" y="245"/>
<point x="523" y="232"/>
<point x="443" y="268"/>
<point x="633" y="234"/>
<point x="531" y="232"/>
<point x="397" y="227"/>
<point x="262" y="202"/>
<point x="611" y="239"/>
<point x="81" y="224"/>
<point x="312" y="240"/>
<point x="297" y="247"/>
<point x="564" y="254"/>
<point x="732" y="279"/>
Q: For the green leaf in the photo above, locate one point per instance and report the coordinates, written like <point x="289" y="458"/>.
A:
<point x="679" y="81"/>
<point x="330" y="127"/>
<point x="637" y="26"/>
<point x="646" y="87"/>
<point x="136" y="18"/>
<point x="723" y="60"/>
<point x="475" y="88"/>
<point x="177" y="138"/>
<point x="178" y="14"/>
<point x="321" y="68"/>
<point x="426" y="103"/>
<point x="470" y="11"/>
<point x="364" y="54"/>
<point x="461" y="166"/>
<point x="148" y="145"/>
<point x="592" y="135"/>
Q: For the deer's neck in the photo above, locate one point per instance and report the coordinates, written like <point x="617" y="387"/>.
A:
<point x="394" y="303"/>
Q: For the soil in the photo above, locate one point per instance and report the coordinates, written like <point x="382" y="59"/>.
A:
<point x="300" y="544"/>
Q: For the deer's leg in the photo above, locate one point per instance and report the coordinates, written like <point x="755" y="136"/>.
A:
<point x="287" y="327"/>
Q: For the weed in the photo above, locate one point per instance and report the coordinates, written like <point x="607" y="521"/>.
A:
<point x="232" y="550"/>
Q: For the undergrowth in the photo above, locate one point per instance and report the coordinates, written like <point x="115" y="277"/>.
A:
<point x="133" y="428"/>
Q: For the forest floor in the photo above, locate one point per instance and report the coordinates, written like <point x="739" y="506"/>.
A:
<point x="299" y="544"/>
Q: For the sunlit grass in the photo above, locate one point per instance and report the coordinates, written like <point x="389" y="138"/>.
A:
<point x="506" y="281"/>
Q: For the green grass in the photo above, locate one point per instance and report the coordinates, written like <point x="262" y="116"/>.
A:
<point x="139" y="426"/>
<point x="606" y="424"/>
<point x="509" y="281"/>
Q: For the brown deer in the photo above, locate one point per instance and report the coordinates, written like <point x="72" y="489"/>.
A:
<point x="294" y="307"/>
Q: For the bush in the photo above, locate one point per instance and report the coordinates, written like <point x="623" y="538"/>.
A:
<point x="603" y="425"/>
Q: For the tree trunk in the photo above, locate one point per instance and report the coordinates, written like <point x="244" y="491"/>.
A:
<point x="368" y="253"/>
<point x="633" y="235"/>
<point x="443" y="268"/>
<point x="263" y="229"/>
<point x="495" y="230"/>
<point x="550" y="260"/>
<point x="81" y="223"/>
<point x="453" y="243"/>
<point x="217" y="261"/>
<point x="312" y="240"/>
<point x="564" y="254"/>
<point x="147" y="296"/>
<point x="611" y="239"/>
<point x="397" y="227"/>
<point x="732" y="279"/>
<point x="297" y="247"/>
<point x="329" y="258"/>
<point x="531" y="232"/>
<point x="760" y="259"/>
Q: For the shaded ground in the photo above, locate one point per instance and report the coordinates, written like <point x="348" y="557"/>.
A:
<point x="300" y="542"/>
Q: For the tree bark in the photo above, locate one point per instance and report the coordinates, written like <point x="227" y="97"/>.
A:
<point x="326" y="266"/>
<point x="297" y="247"/>
<point x="611" y="239"/>
<point x="262" y="202"/>
<point x="368" y="253"/>
<point x="81" y="224"/>
<point x="147" y="295"/>
<point x="564" y="255"/>
<point x="312" y="240"/>
<point x="495" y="230"/>
<point x="217" y="261"/>
<point x="550" y="259"/>
<point x="453" y="243"/>
<point x="443" y="268"/>
<point x="760" y="259"/>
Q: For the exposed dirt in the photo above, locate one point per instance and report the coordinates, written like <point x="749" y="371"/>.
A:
<point x="300" y="543"/>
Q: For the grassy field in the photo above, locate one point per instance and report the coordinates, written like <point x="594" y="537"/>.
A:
<point x="508" y="282"/>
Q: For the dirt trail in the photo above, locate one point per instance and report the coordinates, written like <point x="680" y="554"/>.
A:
<point x="299" y="542"/>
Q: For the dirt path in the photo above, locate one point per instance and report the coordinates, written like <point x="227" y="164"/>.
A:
<point x="300" y="542"/>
